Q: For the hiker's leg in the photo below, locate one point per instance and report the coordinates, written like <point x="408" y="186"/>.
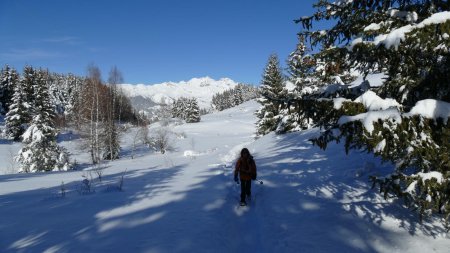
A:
<point x="248" y="188"/>
<point x="243" y="190"/>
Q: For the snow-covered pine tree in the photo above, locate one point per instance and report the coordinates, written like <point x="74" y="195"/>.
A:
<point x="271" y="96"/>
<point x="41" y="152"/>
<point x="180" y="108"/>
<point x="390" y="36"/>
<point x="233" y="97"/>
<point x="288" y="118"/>
<point x="193" y="111"/>
<point x="217" y="102"/>
<point x="238" y="95"/>
<point x="18" y="116"/>
<point x="302" y="70"/>
<point x="73" y="103"/>
<point x="249" y="92"/>
<point x="176" y="110"/>
<point x="8" y="80"/>
<point x="22" y="107"/>
<point x="28" y="81"/>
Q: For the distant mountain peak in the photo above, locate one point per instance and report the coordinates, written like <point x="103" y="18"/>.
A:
<point x="202" y="88"/>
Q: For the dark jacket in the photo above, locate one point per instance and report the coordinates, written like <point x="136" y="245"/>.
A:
<point x="246" y="168"/>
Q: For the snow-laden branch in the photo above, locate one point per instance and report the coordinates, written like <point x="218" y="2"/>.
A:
<point x="396" y="36"/>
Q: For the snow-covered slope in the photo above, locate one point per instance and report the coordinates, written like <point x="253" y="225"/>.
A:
<point x="186" y="201"/>
<point x="201" y="88"/>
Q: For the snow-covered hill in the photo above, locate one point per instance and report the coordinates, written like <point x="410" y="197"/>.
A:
<point x="186" y="201"/>
<point x="145" y="96"/>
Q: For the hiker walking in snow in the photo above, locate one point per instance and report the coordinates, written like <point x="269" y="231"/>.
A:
<point x="246" y="169"/>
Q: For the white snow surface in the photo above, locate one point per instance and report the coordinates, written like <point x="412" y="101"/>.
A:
<point x="374" y="80"/>
<point x="372" y="27"/>
<point x="290" y="86"/>
<point x="429" y="175"/>
<point x="201" y="88"/>
<point x="186" y="201"/>
<point x="370" y="117"/>
<point x="338" y="102"/>
<point x="372" y="102"/>
<point x="432" y="109"/>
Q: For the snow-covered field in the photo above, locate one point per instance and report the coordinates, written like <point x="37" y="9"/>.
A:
<point x="186" y="201"/>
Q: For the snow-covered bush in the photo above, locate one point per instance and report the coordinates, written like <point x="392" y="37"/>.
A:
<point x="99" y="170"/>
<point x="141" y="135"/>
<point x="86" y="186"/>
<point x="161" y="139"/>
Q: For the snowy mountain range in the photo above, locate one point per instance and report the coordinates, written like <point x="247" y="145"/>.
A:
<point x="144" y="97"/>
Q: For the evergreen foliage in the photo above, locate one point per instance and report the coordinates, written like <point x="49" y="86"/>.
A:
<point x="233" y="97"/>
<point x="8" y="81"/>
<point x="186" y="109"/>
<point x="389" y="37"/>
<point x="20" y="110"/>
<point x="366" y="37"/>
<point x="271" y="91"/>
<point x="298" y="112"/>
<point x="193" y="111"/>
<point x="42" y="102"/>
<point x="41" y="152"/>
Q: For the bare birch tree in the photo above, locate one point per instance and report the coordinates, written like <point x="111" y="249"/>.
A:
<point x="91" y="111"/>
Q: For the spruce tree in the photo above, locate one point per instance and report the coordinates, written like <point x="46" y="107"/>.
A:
<point x="271" y="90"/>
<point x="19" y="114"/>
<point x="193" y="111"/>
<point x="28" y="81"/>
<point x="306" y="80"/>
<point x="8" y="81"/>
<point x="41" y="152"/>
<point x="22" y="107"/>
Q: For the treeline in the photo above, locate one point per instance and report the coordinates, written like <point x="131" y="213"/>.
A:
<point x="408" y="42"/>
<point x="233" y="97"/>
<point x="38" y="103"/>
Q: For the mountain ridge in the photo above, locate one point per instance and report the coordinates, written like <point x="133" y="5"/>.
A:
<point x="202" y="88"/>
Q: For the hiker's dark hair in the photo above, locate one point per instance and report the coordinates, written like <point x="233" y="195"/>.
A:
<point x="245" y="150"/>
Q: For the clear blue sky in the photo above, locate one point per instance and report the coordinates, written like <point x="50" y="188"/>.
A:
<point x="150" y="41"/>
